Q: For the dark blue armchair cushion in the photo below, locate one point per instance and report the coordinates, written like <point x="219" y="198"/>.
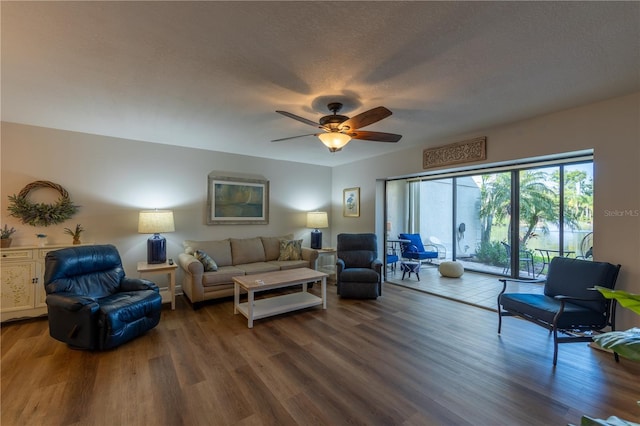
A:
<point x="545" y="308"/>
<point x="365" y="275"/>
<point x="93" y="271"/>
<point x="575" y="278"/>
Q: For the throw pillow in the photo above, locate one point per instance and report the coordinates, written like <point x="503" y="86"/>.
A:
<point x="209" y="264"/>
<point x="290" y="250"/>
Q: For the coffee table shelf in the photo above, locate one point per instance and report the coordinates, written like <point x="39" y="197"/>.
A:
<point x="275" y="305"/>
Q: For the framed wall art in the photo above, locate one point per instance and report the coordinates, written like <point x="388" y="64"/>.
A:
<point x="351" y="202"/>
<point x="237" y="200"/>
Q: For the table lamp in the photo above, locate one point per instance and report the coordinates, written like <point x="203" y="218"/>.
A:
<point x="317" y="220"/>
<point x="154" y="222"/>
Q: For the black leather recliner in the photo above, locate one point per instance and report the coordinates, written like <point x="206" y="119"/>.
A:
<point x="359" y="271"/>
<point x="90" y="302"/>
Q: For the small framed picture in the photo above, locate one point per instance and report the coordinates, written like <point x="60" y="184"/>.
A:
<point x="351" y="202"/>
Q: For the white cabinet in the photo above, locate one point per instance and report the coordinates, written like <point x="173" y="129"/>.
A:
<point x="22" y="293"/>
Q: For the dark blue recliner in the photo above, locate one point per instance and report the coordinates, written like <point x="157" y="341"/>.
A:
<point x="90" y="302"/>
<point x="415" y="250"/>
<point x="359" y="271"/>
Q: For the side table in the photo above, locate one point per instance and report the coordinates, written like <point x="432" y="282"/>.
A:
<point x="327" y="268"/>
<point x="410" y="267"/>
<point x="145" y="268"/>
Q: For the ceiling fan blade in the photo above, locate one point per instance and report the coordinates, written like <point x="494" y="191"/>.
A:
<point x="293" y="137"/>
<point x="298" y="118"/>
<point x="366" y="118"/>
<point x="375" y="136"/>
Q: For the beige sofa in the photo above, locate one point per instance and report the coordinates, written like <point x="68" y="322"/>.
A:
<point x="234" y="257"/>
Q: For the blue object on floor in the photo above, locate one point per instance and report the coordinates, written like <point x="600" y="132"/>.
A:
<point x="414" y="249"/>
<point x="410" y="267"/>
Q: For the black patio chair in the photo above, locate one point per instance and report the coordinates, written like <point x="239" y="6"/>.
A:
<point x="570" y="305"/>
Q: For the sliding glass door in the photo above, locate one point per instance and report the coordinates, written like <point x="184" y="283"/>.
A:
<point x="435" y="225"/>
<point x="509" y="222"/>
<point x="493" y="211"/>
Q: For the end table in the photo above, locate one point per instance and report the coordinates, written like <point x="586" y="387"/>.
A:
<point x="145" y="268"/>
<point x="327" y="268"/>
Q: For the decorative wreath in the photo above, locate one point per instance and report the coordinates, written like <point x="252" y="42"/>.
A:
<point x="41" y="214"/>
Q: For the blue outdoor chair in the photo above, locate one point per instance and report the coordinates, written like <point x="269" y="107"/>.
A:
<point x="415" y="250"/>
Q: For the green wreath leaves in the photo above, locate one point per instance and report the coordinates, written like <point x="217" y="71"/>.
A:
<point x="41" y="214"/>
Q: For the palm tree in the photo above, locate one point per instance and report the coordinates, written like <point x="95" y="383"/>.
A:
<point x="578" y="196"/>
<point x="495" y="201"/>
<point x="538" y="203"/>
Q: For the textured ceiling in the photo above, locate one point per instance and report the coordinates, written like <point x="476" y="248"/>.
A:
<point x="210" y="75"/>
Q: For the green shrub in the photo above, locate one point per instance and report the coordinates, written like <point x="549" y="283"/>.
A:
<point x="492" y="253"/>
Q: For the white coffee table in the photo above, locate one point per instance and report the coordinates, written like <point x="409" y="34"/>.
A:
<point x="256" y="309"/>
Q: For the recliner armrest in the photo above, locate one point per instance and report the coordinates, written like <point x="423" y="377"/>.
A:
<point x="71" y="302"/>
<point x="137" y="284"/>
<point x="376" y="265"/>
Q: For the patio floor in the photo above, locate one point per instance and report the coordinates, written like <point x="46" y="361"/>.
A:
<point x="473" y="288"/>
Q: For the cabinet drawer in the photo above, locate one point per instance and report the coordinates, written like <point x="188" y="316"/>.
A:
<point x="17" y="255"/>
<point x="42" y="253"/>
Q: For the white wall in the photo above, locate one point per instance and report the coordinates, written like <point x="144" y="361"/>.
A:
<point x="611" y="128"/>
<point x="113" y="179"/>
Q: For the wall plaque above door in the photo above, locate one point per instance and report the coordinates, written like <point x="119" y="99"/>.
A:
<point x="455" y="153"/>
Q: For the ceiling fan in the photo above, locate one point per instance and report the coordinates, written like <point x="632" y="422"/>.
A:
<point x="338" y="130"/>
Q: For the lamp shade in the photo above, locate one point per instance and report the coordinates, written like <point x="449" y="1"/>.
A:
<point x="155" y="221"/>
<point x="334" y="140"/>
<point x="317" y="220"/>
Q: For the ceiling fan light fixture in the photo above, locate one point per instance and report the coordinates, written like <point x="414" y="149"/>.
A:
<point x="335" y="141"/>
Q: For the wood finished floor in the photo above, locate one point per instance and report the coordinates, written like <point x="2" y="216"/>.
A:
<point x="408" y="358"/>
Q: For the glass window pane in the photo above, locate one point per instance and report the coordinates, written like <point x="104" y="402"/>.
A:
<point x="436" y="207"/>
<point x="578" y="210"/>
<point x="538" y="230"/>
<point x="482" y="222"/>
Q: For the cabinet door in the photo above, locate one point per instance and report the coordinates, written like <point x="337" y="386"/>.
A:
<point x="40" y="292"/>
<point x="17" y="290"/>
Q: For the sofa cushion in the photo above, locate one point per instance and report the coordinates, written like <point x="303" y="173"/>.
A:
<point x="290" y="264"/>
<point x="272" y="246"/>
<point x="220" y="251"/>
<point x="247" y="250"/>
<point x="258" y="267"/>
<point x="208" y="263"/>
<point x="290" y="250"/>
<point x="224" y="275"/>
